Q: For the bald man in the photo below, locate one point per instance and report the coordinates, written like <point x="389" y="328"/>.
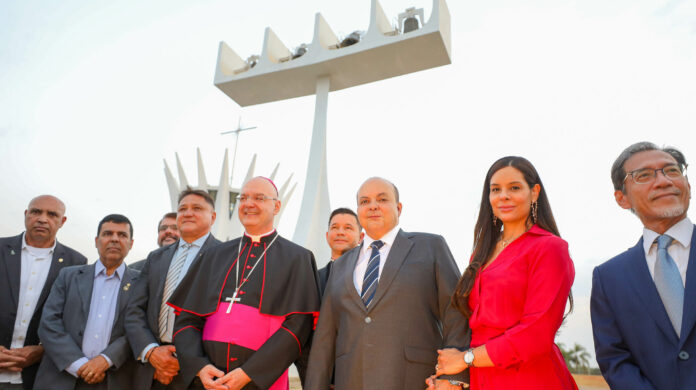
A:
<point x="247" y="306"/>
<point x="29" y="264"/>
<point x="384" y="311"/>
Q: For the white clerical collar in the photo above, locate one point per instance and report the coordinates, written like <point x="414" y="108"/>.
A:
<point x="259" y="237"/>
<point x="387" y="239"/>
<point x="681" y="232"/>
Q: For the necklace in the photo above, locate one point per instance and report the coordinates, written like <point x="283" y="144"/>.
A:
<point x="234" y="298"/>
<point x="508" y="241"/>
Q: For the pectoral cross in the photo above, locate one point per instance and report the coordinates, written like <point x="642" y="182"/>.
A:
<point x="232" y="300"/>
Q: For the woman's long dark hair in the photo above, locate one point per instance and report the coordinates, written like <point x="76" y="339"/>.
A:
<point x="487" y="234"/>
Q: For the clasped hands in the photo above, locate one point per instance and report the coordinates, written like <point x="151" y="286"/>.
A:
<point x="15" y="359"/>
<point x="233" y="380"/>
<point x="94" y="371"/>
<point x="450" y="361"/>
<point x="163" y="359"/>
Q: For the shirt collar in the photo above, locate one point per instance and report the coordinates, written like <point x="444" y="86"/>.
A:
<point x="100" y="269"/>
<point x="387" y="239"/>
<point x="25" y="245"/>
<point x="681" y="232"/>
<point x="197" y="243"/>
<point x="259" y="237"/>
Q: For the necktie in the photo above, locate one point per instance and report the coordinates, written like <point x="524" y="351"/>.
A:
<point x="669" y="283"/>
<point x="371" y="274"/>
<point x="170" y="285"/>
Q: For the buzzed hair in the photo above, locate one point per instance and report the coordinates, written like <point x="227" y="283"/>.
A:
<point x="396" y="190"/>
<point x="345" y="210"/>
<point x="60" y="202"/>
<point x="202" y="193"/>
<point x="266" y="179"/>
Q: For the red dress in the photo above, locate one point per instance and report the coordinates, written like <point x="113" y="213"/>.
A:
<point x="517" y="305"/>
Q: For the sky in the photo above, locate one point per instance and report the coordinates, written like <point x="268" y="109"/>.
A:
<point x="95" y="95"/>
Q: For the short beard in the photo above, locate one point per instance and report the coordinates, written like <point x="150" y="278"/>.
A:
<point x="673" y="212"/>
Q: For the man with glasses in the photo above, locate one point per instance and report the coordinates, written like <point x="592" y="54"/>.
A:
<point x="167" y="233"/>
<point x="643" y="302"/>
<point x="247" y="306"/>
<point x="150" y="322"/>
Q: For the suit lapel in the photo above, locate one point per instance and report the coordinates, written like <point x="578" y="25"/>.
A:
<point x="56" y="265"/>
<point x="350" y="271"/>
<point x="161" y="269"/>
<point x="12" y="255"/>
<point x="85" y="283"/>
<point x="123" y="294"/>
<point x="644" y="286"/>
<point x="689" y="318"/>
<point x="397" y="254"/>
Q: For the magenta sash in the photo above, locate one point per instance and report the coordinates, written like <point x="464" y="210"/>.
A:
<point x="244" y="326"/>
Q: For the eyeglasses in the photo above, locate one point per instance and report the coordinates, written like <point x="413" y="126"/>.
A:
<point x="648" y="175"/>
<point x="255" y="198"/>
<point x="165" y="227"/>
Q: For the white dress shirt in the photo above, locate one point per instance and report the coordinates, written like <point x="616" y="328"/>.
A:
<point x="364" y="256"/>
<point x="679" y="250"/>
<point x="34" y="270"/>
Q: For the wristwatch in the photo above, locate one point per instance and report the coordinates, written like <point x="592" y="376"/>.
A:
<point x="469" y="357"/>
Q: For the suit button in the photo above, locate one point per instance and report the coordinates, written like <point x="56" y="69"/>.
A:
<point x="683" y="355"/>
<point x="368" y="320"/>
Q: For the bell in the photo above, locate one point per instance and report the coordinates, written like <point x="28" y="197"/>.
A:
<point x="410" y="24"/>
<point x="351" y="39"/>
<point x="302" y="50"/>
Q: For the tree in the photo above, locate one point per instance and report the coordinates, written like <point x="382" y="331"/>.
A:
<point x="577" y="358"/>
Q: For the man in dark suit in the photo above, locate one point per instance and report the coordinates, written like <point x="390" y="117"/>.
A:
<point x="383" y="315"/>
<point x="344" y="234"/>
<point x="150" y="322"/>
<point x="82" y="322"/>
<point x="167" y="233"/>
<point x="643" y="301"/>
<point x="29" y="264"/>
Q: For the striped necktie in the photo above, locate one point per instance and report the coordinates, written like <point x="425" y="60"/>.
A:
<point x="170" y="285"/>
<point x="371" y="274"/>
<point x="669" y="283"/>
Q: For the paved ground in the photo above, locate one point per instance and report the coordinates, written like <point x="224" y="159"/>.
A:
<point x="585" y="382"/>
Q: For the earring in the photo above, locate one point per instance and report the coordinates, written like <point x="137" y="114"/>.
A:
<point x="495" y="220"/>
<point x="535" y="207"/>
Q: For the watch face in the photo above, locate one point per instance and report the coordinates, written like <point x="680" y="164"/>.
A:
<point x="468" y="357"/>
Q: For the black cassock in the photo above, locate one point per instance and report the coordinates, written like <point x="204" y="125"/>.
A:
<point x="265" y="329"/>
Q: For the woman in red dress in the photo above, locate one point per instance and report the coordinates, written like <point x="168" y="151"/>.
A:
<point x="515" y="289"/>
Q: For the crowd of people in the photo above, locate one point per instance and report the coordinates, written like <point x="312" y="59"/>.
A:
<point x="390" y="311"/>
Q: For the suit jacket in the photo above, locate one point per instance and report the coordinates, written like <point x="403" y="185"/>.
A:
<point x="392" y="345"/>
<point x="142" y="322"/>
<point x="63" y="323"/>
<point x="138" y="265"/>
<point x="10" y="276"/>
<point x="635" y="343"/>
<point x="324" y="277"/>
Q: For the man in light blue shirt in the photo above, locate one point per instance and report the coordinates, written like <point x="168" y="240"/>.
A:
<point x="82" y="324"/>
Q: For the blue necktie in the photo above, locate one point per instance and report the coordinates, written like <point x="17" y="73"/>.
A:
<point x="371" y="274"/>
<point x="669" y="283"/>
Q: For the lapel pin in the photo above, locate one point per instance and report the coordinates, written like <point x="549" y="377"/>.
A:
<point x="126" y="287"/>
<point x="12" y="252"/>
<point x="60" y="260"/>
